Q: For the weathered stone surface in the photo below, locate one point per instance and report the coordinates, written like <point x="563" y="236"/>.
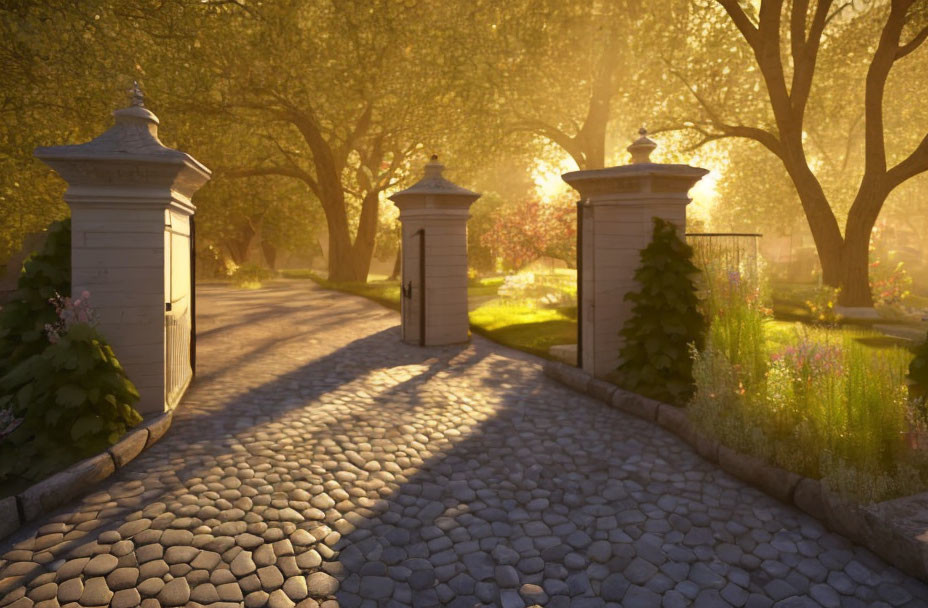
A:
<point x="636" y="405"/>
<point x="175" y="593"/>
<point x="62" y="487"/>
<point x="573" y="377"/>
<point x="128" y="447"/>
<point x="157" y="427"/>
<point x="600" y="389"/>
<point x="9" y="516"/>
<point x="773" y="480"/>
<point x="321" y="584"/>
<point x="454" y="476"/>
<point x="96" y="593"/>
<point x="126" y="598"/>
<point x="808" y="497"/>
<point x="70" y="590"/>
<point x="675" y="420"/>
<point x="101" y="565"/>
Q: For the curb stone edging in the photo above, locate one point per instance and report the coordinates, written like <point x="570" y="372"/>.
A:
<point x="896" y="530"/>
<point x="52" y="492"/>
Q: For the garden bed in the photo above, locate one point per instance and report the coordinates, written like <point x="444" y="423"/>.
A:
<point x="895" y="529"/>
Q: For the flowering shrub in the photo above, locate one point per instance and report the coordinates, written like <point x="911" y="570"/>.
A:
<point x="813" y="400"/>
<point x="890" y="282"/>
<point x="827" y="407"/>
<point x="822" y="304"/>
<point x="733" y="296"/>
<point x="522" y="233"/>
<point x="68" y="313"/>
<point x="73" y="398"/>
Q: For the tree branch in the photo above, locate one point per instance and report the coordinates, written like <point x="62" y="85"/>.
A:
<point x="912" y="44"/>
<point x="741" y="21"/>
<point x="915" y="163"/>
<point x="294" y="172"/>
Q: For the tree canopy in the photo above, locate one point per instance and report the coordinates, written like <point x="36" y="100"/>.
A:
<point x="311" y="112"/>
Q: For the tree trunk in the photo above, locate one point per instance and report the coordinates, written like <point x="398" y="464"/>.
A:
<point x="397" y="265"/>
<point x="363" y="249"/>
<point x="855" y="273"/>
<point x="270" y="254"/>
<point x="855" y="259"/>
<point x="238" y="247"/>
<point x="350" y="262"/>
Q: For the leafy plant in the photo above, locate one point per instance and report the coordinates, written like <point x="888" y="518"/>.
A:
<point x="822" y="305"/>
<point x="918" y="381"/>
<point x="733" y="299"/>
<point x="250" y="275"/>
<point x="890" y="282"/>
<point x="665" y="320"/>
<point x="828" y="407"/>
<point x="23" y="318"/>
<point x="73" y="399"/>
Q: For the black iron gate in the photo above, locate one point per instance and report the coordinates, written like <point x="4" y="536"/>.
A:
<point x="407" y="290"/>
<point x="193" y="296"/>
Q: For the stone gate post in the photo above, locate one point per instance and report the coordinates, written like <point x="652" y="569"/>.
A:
<point x="130" y="200"/>
<point x="434" y="215"/>
<point x="617" y="206"/>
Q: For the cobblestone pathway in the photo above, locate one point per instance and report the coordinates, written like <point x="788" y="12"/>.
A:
<point x="318" y="461"/>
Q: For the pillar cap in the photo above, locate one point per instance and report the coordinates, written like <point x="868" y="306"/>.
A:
<point x="434" y="187"/>
<point x="629" y="180"/>
<point x="641" y="148"/>
<point x="140" y="157"/>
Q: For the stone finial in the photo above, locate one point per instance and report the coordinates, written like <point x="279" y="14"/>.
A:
<point x="433" y="168"/>
<point x="641" y="148"/>
<point x="135" y="93"/>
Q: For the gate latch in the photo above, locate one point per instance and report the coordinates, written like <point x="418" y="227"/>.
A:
<point x="407" y="290"/>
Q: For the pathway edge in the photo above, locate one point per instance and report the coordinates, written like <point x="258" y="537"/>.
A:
<point x="896" y="530"/>
<point x="45" y="496"/>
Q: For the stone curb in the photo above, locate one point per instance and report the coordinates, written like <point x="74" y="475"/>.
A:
<point x="52" y="492"/>
<point x="895" y="530"/>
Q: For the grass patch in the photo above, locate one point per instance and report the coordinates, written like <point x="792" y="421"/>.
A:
<point x="525" y="327"/>
<point x="385" y="293"/>
<point x="522" y="325"/>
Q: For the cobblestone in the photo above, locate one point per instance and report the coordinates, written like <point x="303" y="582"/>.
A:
<point x="317" y="459"/>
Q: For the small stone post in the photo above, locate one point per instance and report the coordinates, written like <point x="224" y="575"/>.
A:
<point x="617" y="206"/>
<point x="130" y="216"/>
<point x="434" y="214"/>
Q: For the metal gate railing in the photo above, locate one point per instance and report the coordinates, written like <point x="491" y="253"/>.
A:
<point x="177" y="365"/>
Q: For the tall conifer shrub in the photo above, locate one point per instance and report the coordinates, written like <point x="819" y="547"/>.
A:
<point x="656" y="355"/>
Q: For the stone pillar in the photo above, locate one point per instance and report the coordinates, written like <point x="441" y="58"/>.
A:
<point x="434" y="214"/>
<point x="617" y="206"/>
<point x="130" y="200"/>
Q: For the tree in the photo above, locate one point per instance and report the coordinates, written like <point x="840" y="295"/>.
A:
<point x="786" y="43"/>
<point x="336" y="102"/>
<point x="563" y="68"/>
<point x="525" y="232"/>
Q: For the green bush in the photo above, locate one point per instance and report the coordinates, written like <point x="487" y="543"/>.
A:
<point x="665" y="321"/>
<point x="74" y="400"/>
<point x="23" y="318"/>
<point x="918" y="381"/>
<point x="250" y="276"/>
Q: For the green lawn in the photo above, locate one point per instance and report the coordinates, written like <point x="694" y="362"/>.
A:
<point x="522" y="326"/>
